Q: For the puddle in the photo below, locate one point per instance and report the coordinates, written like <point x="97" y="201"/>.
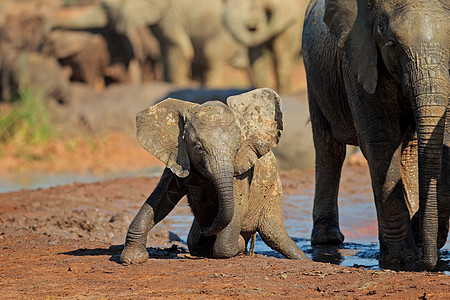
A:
<point x="30" y="180"/>
<point x="358" y="223"/>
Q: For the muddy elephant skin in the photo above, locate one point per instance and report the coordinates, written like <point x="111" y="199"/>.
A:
<point x="220" y="157"/>
<point x="377" y="74"/>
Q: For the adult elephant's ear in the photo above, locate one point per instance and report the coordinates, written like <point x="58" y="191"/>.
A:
<point x="159" y="129"/>
<point x="349" y="22"/>
<point x="260" y="119"/>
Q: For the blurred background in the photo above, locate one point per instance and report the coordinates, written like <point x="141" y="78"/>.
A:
<point x="74" y="73"/>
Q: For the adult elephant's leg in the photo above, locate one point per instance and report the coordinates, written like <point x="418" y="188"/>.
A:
<point x="217" y="53"/>
<point x="410" y="180"/>
<point x="259" y="58"/>
<point x="330" y="155"/>
<point x="286" y="51"/>
<point x="444" y="199"/>
<point x="397" y="247"/>
<point x="158" y="205"/>
<point x="177" y="57"/>
<point x="444" y="190"/>
<point x="380" y="138"/>
<point x="214" y="77"/>
<point x="198" y="244"/>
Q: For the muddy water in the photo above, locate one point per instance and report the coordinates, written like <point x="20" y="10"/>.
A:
<point x="357" y="219"/>
<point x="29" y="180"/>
<point x="358" y="224"/>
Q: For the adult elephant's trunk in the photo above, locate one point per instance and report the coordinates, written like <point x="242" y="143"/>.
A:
<point x="426" y="82"/>
<point x="223" y="182"/>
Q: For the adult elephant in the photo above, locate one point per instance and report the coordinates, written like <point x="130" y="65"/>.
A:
<point x="27" y="71"/>
<point x="377" y="74"/>
<point x="85" y="53"/>
<point x="186" y="30"/>
<point x="134" y="50"/>
<point x="268" y="25"/>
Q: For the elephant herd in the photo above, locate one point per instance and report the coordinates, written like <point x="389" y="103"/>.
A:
<point x="103" y="41"/>
<point x="377" y="75"/>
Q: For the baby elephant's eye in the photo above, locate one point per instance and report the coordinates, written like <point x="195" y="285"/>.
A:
<point x="198" y="147"/>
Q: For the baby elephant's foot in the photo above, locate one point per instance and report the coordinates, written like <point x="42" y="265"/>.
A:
<point x="325" y="233"/>
<point x="133" y="255"/>
<point x="406" y="258"/>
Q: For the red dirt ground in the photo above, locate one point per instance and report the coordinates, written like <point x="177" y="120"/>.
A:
<point x="64" y="243"/>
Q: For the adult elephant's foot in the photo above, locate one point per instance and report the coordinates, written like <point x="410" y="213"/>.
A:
<point x="400" y="256"/>
<point x="134" y="255"/>
<point x="324" y="233"/>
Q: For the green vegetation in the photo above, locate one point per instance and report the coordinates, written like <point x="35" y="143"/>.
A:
<point x="25" y="121"/>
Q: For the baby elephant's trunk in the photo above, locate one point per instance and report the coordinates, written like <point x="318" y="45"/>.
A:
<point x="223" y="181"/>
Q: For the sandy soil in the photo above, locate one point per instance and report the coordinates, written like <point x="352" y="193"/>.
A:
<point x="97" y="154"/>
<point x="64" y="242"/>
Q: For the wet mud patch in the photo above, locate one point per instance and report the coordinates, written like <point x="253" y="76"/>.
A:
<point x="65" y="241"/>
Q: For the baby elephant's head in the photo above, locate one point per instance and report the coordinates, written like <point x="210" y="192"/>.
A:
<point x="217" y="140"/>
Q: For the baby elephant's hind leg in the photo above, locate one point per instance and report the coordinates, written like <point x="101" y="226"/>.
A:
<point x="273" y="233"/>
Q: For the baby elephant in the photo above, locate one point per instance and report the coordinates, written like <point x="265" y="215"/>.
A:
<point x="220" y="157"/>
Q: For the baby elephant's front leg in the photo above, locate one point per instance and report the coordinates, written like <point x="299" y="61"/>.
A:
<point x="274" y="234"/>
<point x="163" y="199"/>
<point x="229" y="242"/>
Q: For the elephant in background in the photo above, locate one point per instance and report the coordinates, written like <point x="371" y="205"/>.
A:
<point x="186" y="40"/>
<point x="30" y="71"/>
<point x="23" y="28"/>
<point x="85" y="53"/>
<point x="134" y="51"/>
<point x="24" y="24"/>
<point x="130" y="21"/>
<point x="220" y="157"/>
<point x="179" y="26"/>
<point x="377" y="74"/>
<point x="263" y="26"/>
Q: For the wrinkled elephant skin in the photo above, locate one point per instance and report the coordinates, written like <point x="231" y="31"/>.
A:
<point x="377" y="74"/>
<point x="220" y="157"/>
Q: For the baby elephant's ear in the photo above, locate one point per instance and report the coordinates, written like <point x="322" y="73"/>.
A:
<point x="159" y="129"/>
<point x="261" y="124"/>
